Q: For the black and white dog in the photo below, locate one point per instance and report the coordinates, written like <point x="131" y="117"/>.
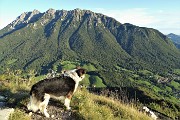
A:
<point x="61" y="88"/>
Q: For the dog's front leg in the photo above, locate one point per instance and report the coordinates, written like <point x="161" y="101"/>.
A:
<point x="44" y="104"/>
<point x="67" y="103"/>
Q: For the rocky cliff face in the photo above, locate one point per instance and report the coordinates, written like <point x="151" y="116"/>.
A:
<point x="24" y="19"/>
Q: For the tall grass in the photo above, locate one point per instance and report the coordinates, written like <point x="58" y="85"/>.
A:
<point x="19" y="115"/>
<point x="94" y="107"/>
<point x="85" y="105"/>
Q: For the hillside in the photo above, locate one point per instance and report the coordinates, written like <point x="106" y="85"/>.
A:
<point x="85" y="105"/>
<point x="137" y="92"/>
<point x="39" y="40"/>
<point x="141" y="60"/>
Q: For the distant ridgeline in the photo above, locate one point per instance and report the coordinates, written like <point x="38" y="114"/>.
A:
<point x="41" y="41"/>
<point x="175" y="39"/>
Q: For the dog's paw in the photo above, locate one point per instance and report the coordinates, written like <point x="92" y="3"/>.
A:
<point x="46" y="114"/>
<point x="68" y="108"/>
<point x="30" y="114"/>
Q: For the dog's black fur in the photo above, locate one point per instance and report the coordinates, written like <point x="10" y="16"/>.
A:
<point x="58" y="86"/>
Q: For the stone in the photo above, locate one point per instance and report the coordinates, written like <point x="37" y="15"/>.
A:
<point x="5" y="113"/>
<point x="2" y="98"/>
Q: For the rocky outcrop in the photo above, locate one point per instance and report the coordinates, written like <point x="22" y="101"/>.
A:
<point x="4" y="112"/>
<point x="25" y="18"/>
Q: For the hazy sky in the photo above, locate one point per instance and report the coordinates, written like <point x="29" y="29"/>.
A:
<point x="163" y="15"/>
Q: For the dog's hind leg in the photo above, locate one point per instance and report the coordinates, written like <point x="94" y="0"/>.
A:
<point x="43" y="105"/>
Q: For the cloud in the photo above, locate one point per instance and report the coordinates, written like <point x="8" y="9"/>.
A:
<point x="3" y="24"/>
<point x="166" y="21"/>
<point x="6" y="21"/>
<point x="163" y="20"/>
<point x="137" y="16"/>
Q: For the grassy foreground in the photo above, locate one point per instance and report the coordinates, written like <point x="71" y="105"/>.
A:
<point x="93" y="107"/>
<point x="88" y="106"/>
<point x="85" y="105"/>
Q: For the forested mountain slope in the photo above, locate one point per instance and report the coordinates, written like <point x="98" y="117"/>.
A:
<point x="38" y="40"/>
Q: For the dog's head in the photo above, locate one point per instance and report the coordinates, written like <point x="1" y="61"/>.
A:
<point x="76" y="74"/>
<point x="81" y="73"/>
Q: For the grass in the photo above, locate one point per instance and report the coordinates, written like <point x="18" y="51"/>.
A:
<point x="87" y="106"/>
<point x="176" y="71"/>
<point x="175" y="85"/>
<point x="94" y="107"/>
<point x="86" y="81"/>
<point x="89" y="67"/>
<point x="143" y="82"/>
<point x="19" y="115"/>
<point x="165" y="109"/>
<point x="67" y="65"/>
<point x="96" y="81"/>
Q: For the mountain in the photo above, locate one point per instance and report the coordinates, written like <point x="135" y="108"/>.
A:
<point x="175" y="39"/>
<point x="115" y="54"/>
<point x="40" y="40"/>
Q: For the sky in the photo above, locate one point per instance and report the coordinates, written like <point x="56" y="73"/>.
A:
<point x="163" y="15"/>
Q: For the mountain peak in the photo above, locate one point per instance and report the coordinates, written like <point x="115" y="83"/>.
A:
<point x="77" y="10"/>
<point x="22" y="16"/>
<point x="51" y="11"/>
<point x="27" y="15"/>
<point x="25" y="18"/>
<point x="35" y="12"/>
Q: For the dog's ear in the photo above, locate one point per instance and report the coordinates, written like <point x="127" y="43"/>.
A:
<point x="81" y="72"/>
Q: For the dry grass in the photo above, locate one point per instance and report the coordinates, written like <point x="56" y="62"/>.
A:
<point x="19" y="115"/>
<point x="87" y="106"/>
<point x="94" y="107"/>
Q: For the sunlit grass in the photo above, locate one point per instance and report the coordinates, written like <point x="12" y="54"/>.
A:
<point x="93" y="107"/>
<point x="19" y="115"/>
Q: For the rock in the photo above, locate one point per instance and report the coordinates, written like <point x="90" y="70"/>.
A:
<point x="2" y="98"/>
<point x="51" y="12"/>
<point x="5" y="113"/>
<point x="2" y="104"/>
<point x="52" y="116"/>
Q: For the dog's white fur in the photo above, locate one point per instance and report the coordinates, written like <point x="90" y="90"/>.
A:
<point x="72" y="74"/>
<point x="35" y="105"/>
